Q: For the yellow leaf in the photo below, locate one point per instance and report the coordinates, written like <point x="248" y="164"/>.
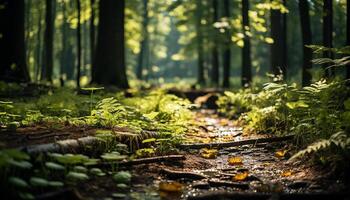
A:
<point x="241" y="176"/>
<point x="170" y="186"/>
<point x="281" y="153"/>
<point x="235" y="161"/>
<point x="286" y="173"/>
<point x="209" y="153"/>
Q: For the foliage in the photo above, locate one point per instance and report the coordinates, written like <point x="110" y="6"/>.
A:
<point x="319" y="112"/>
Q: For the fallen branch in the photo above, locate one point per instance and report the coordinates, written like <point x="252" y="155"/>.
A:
<point x="266" y="196"/>
<point x="182" y="174"/>
<point x="151" y="160"/>
<point x="219" y="145"/>
<point x="63" y="146"/>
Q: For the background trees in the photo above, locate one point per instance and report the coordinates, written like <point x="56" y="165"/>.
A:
<point x="13" y="67"/>
<point x="229" y="42"/>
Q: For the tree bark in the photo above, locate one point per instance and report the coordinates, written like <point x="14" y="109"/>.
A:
<point x="200" y="60"/>
<point x="142" y="60"/>
<point x="215" y="53"/>
<point x="328" y="33"/>
<point x="110" y="53"/>
<point x="78" y="45"/>
<point x="47" y="67"/>
<point x="227" y="50"/>
<point x="92" y="37"/>
<point x="277" y="46"/>
<point x="284" y="43"/>
<point x="13" y="67"/>
<point x="246" y="59"/>
<point x="348" y="34"/>
<point x="38" y="48"/>
<point x="307" y="40"/>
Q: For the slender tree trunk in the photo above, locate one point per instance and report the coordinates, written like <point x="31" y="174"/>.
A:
<point x="277" y="46"/>
<point x="246" y="59"/>
<point x="78" y="45"/>
<point x="215" y="52"/>
<point x="47" y="67"/>
<point x="143" y="50"/>
<point x="328" y="33"/>
<point x="13" y="67"/>
<point x="348" y="34"/>
<point x="110" y="53"/>
<point x="227" y="50"/>
<point x="307" y="40"/>
<point x="284" y="42"/>
<point x="200" y="61"/>
<point x="92" y="38"/>
<point x="38" y="48"/>
<point x="64" y="44"/>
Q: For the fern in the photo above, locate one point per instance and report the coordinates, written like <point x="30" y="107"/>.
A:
<point x="339" y="140"/>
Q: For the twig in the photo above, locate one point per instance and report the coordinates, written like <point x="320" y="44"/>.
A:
<point x="219" y="145"/>
<point x="152" y="160"/>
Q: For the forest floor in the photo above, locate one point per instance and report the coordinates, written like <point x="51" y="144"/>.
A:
<point x="256" y="170"/>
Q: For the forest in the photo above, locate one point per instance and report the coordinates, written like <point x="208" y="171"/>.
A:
<point x="175" y="99"/>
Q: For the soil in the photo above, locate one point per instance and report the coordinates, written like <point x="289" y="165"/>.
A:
<point x="266" y="171"/>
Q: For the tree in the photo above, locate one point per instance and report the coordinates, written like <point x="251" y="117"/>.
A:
<point x="328" y="33"/>
<point x="109" y="61"/>
<point x="143" y="57"/>
<point x="47" y="68"/>
<point x="246" y="59"/>
<point x="200" y="60"/>
<point x="278" y="62"/>
<point x="92" y="34"/>
<point x="78" y="45"/>
<point x="215" y="53"/>
<point x="307" y="40"/>
<point x="13" y="67"/>
<point x="227" y="49"/>
<point x="348" y="34"/>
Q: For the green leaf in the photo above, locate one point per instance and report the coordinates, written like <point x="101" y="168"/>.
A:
<point x="18" y="182"/>
<point x="149" y="140"/>
<point x="122" y="177"/>
<point x="38" y="182"/>
<point x="77" y="176"/>
<point x="54" y="166"/>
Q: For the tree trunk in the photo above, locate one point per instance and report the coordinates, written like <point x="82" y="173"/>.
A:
<point x="47" y="67"/>
<point x="348" y="34"/>
<point x="327" y="33"/>
<point x="277" y="46"/>
<point x="92" y="38"/>
<point x="13" y="67"/>
<point x="307" y="40"/>
<point x="64" y="44"/>
<point x="78" y="45"/>
<point x="215" y="53"/>
<point x="38" y="48"/>
<point x="246" y="59"/>
<point x="143" y="50"/>
<point x="200" y="60"/>
<point x="284" y="62"/>
<point x="110" y="54"/>
<point x="227" y="50"/>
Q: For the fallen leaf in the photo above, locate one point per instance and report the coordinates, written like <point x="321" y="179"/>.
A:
<point x="286" y="173"/>
<point x="170" y="186"/>
<point x="281" y="153"/>
<point x="209" y="153"/>
<point x="241" y="176"/>
<point x="235" y="161"/>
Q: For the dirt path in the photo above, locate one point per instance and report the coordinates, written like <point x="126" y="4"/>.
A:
<point x="254" y="171"/>
<point x="257" y="173"/>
